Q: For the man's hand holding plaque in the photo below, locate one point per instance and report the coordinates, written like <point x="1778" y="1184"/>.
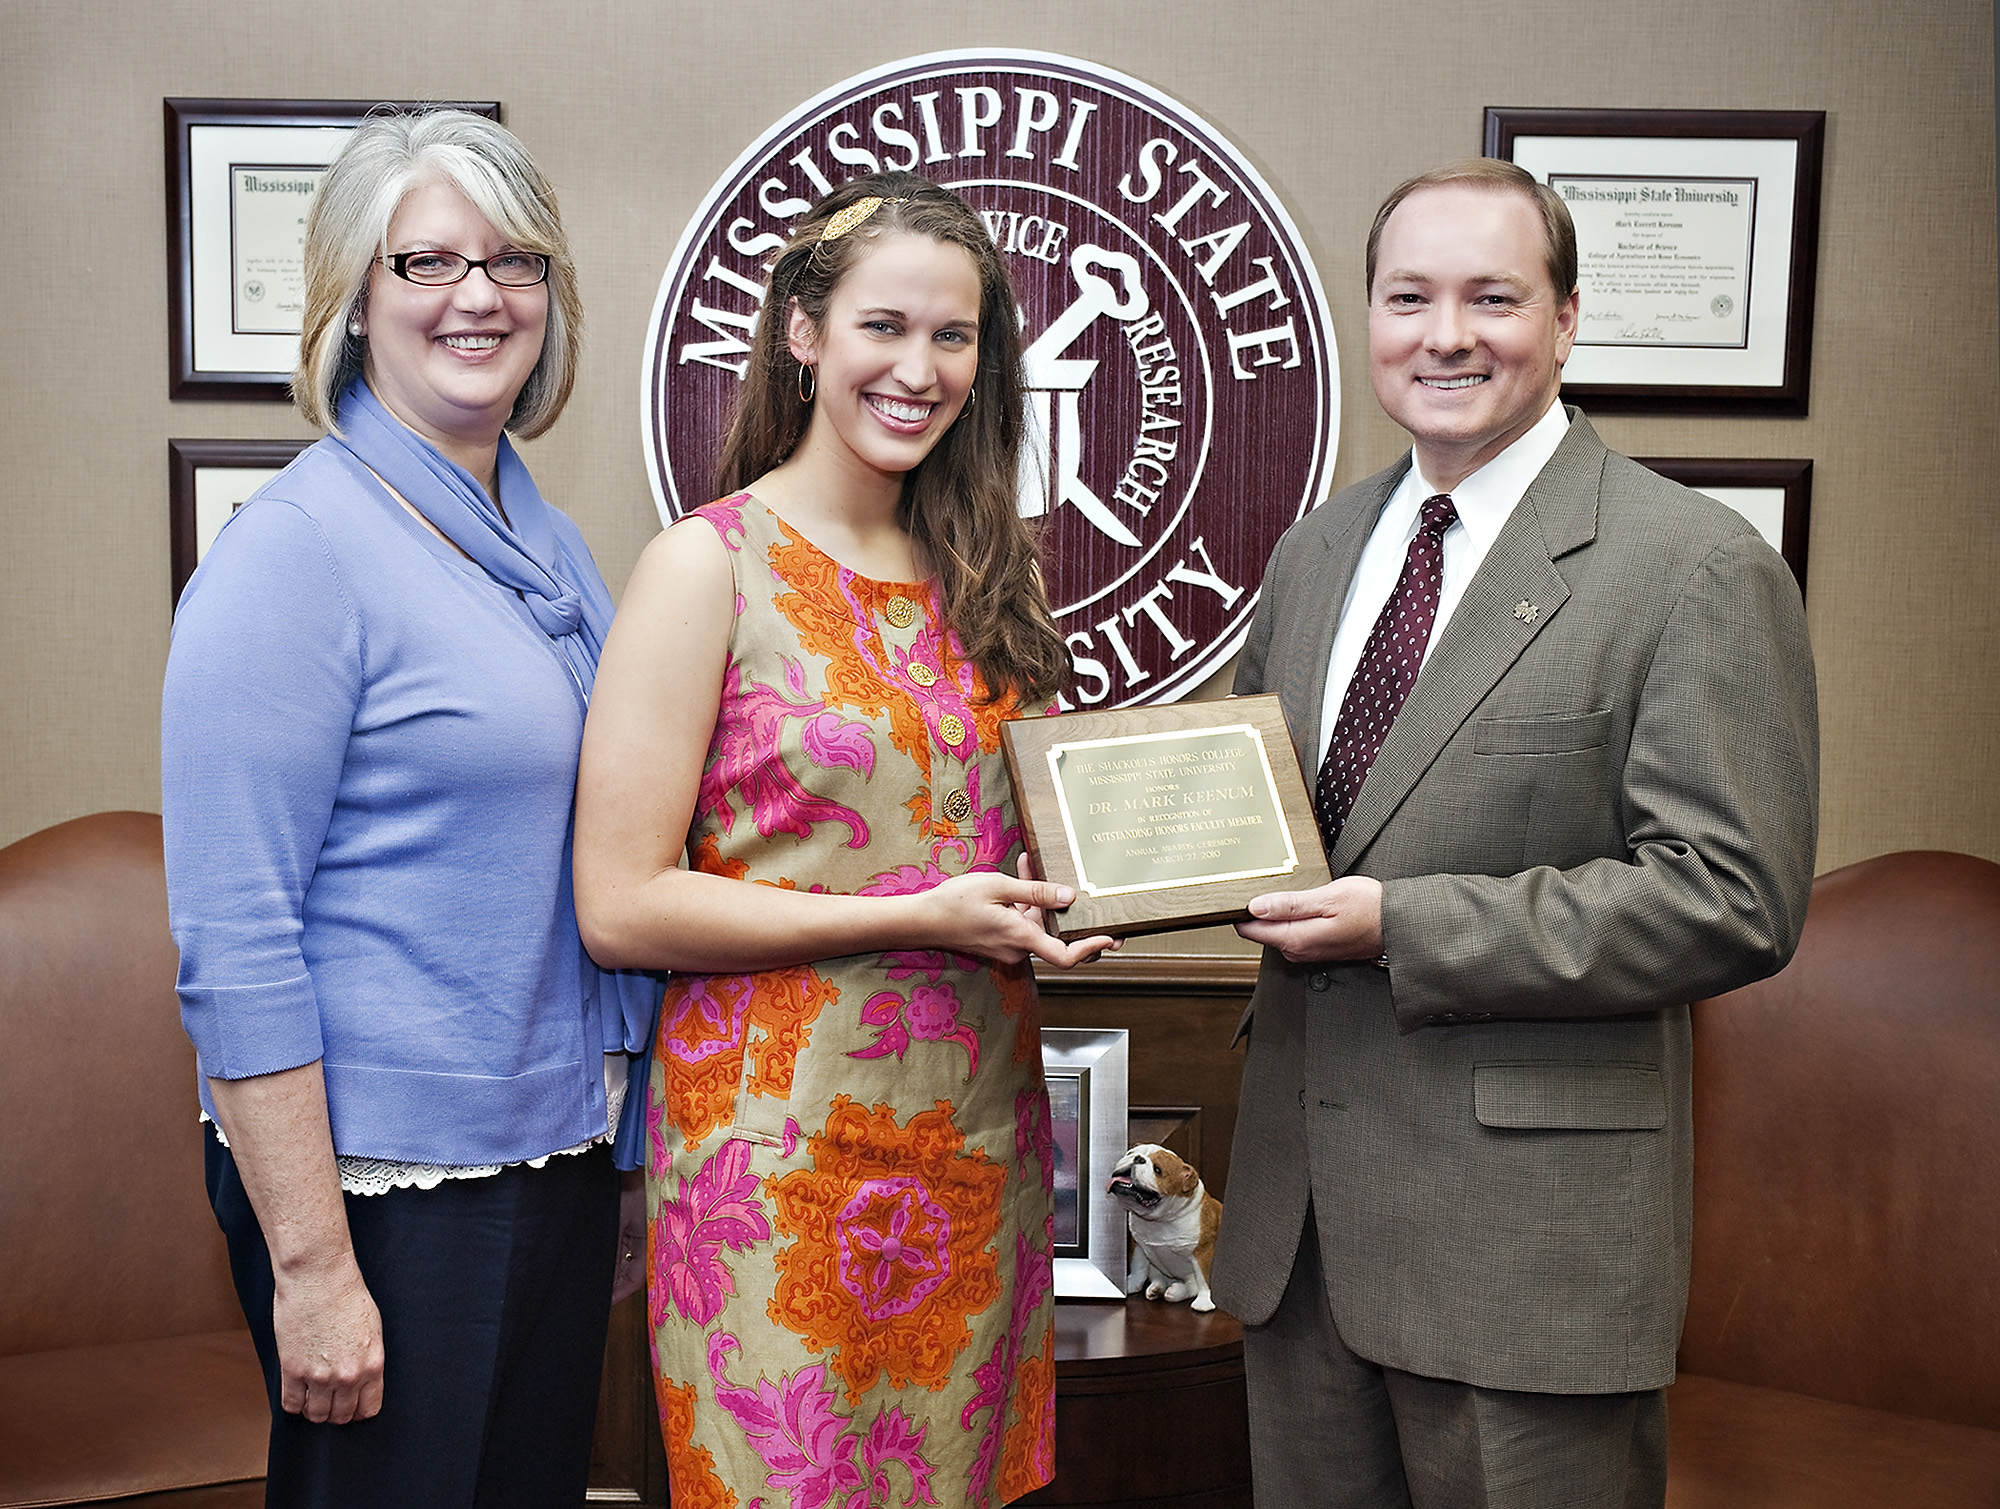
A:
<point x="1164" y="817"/>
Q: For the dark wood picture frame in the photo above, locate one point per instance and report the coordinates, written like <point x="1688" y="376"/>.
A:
<point x="186" y="459"/>
<point x="183" y="117"/>
<point x="1505" y="125"/>
<point x="1707" y="473"/>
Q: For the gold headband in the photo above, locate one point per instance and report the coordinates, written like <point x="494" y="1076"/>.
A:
<point x="854" y="215"/>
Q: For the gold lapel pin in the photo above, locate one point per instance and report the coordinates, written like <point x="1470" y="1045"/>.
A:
<point x="1526" y="611"/>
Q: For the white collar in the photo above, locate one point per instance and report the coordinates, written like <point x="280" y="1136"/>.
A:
<point x="1488" y="496"/>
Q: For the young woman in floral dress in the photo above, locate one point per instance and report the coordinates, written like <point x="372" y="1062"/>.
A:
<point x="849" y="1175"/>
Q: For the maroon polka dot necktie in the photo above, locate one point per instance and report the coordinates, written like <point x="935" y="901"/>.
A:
<point x="1389" y="664"/>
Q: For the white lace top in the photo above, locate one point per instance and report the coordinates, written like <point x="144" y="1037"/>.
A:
<point x="377" y="1176"/>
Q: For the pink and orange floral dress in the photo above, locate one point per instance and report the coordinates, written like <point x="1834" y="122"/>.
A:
<point x="849" y="1170"/>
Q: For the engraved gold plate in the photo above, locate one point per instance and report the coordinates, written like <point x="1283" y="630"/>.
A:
<point x="952" y="727"/>
<point x="900" y="612"/>
<point x="1154" y="810"/>
<point x="922" y="674"/>
<point x="957" y="807"/>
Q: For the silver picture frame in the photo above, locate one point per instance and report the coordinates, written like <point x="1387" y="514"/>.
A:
<point x="1087" y="1069"/>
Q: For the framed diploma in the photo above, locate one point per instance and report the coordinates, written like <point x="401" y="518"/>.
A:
<point x="240" y="174"/>
<point x="1774" y="495"/>
<point x="1697" y="241"/>
<point x="1164" y="817"/>
<point x="207" y="481"/>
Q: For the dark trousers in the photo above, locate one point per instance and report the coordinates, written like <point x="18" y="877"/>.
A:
<point x="495" y="1294"/>
<point x="1331" y="1430"/>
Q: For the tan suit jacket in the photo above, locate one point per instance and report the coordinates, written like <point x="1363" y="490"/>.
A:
<point x="1598" y="804"/>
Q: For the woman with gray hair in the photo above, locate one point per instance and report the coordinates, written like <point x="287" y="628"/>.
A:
<point x="371" y="718"/>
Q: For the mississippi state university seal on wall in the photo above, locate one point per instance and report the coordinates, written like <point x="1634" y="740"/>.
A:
<point x="1183" y="388"/>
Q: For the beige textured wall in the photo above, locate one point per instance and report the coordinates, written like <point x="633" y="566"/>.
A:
<point x="635" y="108"/>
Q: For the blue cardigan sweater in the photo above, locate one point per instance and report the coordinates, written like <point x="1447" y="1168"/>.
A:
<point x="369" y="754"/>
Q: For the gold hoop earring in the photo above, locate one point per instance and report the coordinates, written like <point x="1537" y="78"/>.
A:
<point x="807" y="386"/>
<point x="971" y="398"/>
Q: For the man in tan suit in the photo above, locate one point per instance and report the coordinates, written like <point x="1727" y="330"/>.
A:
<point x="1458" y="1216"/>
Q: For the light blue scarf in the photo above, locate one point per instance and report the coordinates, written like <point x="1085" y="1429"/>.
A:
<point x="565" y="594"/>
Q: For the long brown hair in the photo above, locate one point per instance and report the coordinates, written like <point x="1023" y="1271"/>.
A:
<point x="958" y="503"/>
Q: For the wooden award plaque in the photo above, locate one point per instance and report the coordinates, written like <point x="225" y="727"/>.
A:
<point x="1163" y="817"/>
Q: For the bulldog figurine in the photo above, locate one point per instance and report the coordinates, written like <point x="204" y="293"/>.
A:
<point x="1173" y="1221"/>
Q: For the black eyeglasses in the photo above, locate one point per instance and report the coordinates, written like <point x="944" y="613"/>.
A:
<point x="439" y="269"/>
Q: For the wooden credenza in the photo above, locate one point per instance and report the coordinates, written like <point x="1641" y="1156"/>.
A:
<point x="1149" y="1408"/>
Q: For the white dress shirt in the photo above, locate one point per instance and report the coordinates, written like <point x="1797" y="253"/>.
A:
<point x="1484" y="500"/>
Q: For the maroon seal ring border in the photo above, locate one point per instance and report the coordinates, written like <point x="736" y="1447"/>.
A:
<point x="1183" y="383"/>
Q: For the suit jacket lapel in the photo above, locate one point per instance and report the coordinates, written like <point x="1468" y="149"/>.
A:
<point x="1301" y="684"/>
<point x="1512" y="598"/>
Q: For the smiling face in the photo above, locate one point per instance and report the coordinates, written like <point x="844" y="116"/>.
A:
<point x="894" y="359"/>
<point x="449" y="362"/>
<point x="1466" y="335"/>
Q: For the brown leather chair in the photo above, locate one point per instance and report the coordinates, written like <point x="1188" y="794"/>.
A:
<point x="1843" y="1332"/>
<point x="124" y="1365"/>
